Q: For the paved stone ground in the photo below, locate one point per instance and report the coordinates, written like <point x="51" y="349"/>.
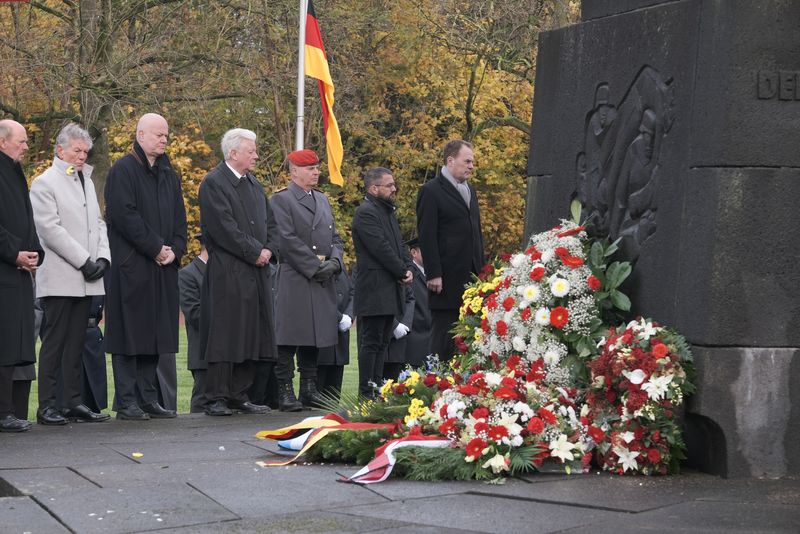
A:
<point x="198" y="474"/>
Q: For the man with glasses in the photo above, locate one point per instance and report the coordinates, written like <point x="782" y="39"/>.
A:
<point x="383" y="268"/>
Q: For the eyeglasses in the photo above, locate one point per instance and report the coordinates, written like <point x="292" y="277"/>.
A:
<point x="391" y="185"/>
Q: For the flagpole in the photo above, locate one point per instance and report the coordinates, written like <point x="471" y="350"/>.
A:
<point x="301" y="77"/>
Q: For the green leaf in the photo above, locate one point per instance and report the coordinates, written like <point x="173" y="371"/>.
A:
<point x="612" y="248"/>
<point x="596" y="254"/>
<point x="612" y="273"/>
<point x="575" y="209"/>
<point x="620" y="300"/>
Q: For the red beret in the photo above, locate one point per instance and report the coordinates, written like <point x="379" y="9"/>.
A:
<point x="303" y="158"/>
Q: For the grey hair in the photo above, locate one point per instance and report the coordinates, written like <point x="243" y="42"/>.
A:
<point x="233" y="138"/>
<point x="73" y="131"/>
<point x="5" y="129"/>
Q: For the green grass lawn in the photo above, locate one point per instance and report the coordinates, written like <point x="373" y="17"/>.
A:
<point x="349" y="382"/>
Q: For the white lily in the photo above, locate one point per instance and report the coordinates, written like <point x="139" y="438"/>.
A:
<point x="636" y="376"/>
<point x="627" y="437"/>
<point x="498" y="463"/>
<point x="627" y="458"/>
<point x="561" y="448"/>
<point x="657" y="386"/>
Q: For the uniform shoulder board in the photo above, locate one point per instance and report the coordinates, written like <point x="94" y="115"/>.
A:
<point x="281" y="190"/>
<point x="317" y="189"/>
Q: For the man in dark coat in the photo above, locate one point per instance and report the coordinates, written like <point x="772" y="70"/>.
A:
<point x="310" y="258"/>
<point x="449" y="228"/>
<point x="236" y="317"/>
<point x="395" y="359"/>
<point x="20" y="255"/>
<point x="331" y="360"/>
<point x="418" y="340"/>
<point x="146" y="222"/>
<point x="190" y="283"/>
<point x="383" y="267"/>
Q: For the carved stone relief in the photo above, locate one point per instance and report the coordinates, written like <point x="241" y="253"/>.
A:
<point x="617" y="171"/>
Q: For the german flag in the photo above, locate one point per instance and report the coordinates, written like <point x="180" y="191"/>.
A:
<point x="316" y="66"/>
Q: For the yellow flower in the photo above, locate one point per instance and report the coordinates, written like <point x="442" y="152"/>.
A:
<point x="412" y="379"/>
<point x="387" y="387"/>
<point x="486" y="287"/>
<point x="478" y="334"/>
<point x="475" y="304"/>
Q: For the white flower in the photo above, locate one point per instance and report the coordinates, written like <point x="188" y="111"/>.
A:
<point x="627" y="458"/>
<point x="645" y="329"/>
<point x="636" y="377"/>
<point x="524" y="410"/>
<point x="542" y="316"/>
<point x="561" y="448"/>
<point x="551" y="357"/>
<point x="601" y="343"/>
<point x="498" y="463"/>
<point x="627" y="437"/>
<point x="657" y="386"/>
<point x="517" y="260"/>
<point x="516" y="441"/>
<point x="493" y="379"/>
<point x="531" y="293"/>
<point x="559" y="287"/>
<point x="518" y="343"/>
<point x="547" y="255"/>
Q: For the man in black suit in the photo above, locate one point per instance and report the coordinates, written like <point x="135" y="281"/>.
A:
<point x="418" y="340"/>
<point x="383" y="267"/>
<point x="190" y="283"/>
<point x="449" y="227"/>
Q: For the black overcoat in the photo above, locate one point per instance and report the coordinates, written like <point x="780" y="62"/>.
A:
<point x="236" y="315"/>
<point x="381" y="259"/>
<point x="450" y="239"/>
<point x="17" y="233"/>
<point x="396" y="352"/>
<point x="144" y="211"/>
<point x="339" y="354"/>
<point x="190" y="283"/>
<point x="418" y="344"/>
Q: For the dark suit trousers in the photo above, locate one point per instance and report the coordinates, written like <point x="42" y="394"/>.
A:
<point x="132" y="373"/>
<point x="167" y="376"/>
<point x="306" y="362"/>
<point x="329" y="379"/>
<point x="20" y="394"/>
<point x="441" y="338"/>
<point x="198" y="402"/>
<point x="228" y="381"/>
<point x="391" y="370"/>
<point x="6" y="387"/>
<point x="374" y="332"/>
<point x="264" y="390"/>
<point x="61" y="354"/>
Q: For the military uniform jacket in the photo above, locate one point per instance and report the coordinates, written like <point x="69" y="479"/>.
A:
<point x="17" y="233"/>
<point x="450" y="239"/>
<point x="144" y="211"/>
<point x="70" y="228"/>
<point x="305" y="310"/>
<point x="236" y="315"/>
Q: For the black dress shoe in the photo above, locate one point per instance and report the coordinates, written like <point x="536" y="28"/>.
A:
<point x="248" y="407"/>
<point x="49" y="416"/>
<point x="156" y="411"/>
<point x="10" y="423"/>
<point x="217" y="408"/>
<point x="132" y="413"/>
<point x="82" y="414"/>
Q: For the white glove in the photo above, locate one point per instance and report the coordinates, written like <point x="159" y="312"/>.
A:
<point x="345" y="323"/>
<point x="400" y="331"/>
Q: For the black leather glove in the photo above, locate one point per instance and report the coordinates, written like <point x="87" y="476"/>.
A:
<point x="104" y="265"/>
<point x="92" y="270"/>
<point x="327" y="269"/>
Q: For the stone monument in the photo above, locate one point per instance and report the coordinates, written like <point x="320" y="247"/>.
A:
<point x="677" y="124"/>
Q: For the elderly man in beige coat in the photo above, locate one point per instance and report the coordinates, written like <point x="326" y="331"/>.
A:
<point x="73" y="235"/>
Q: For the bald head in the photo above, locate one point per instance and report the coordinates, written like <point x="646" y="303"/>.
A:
<point x="13" y="139"/>
<point x="152" y="133"/>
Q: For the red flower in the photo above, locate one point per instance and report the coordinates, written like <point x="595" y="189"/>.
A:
<point x="443" y="411"/>
<point x="443" y="385"/>
<point x="559" y="316"/>
<point x="526" y="314"/>
<point x="537" y="371"/>
<point x="429" y="380"/>
<point x="496" y="433"/>
<point x="478" y="380"/>
<point x="535" y="425"/>
<point x="502" y="328"/>
<point x="596" y="434"/>
<point x="481" y="426"/>
<point x="508" y="382"/>
<point x="491" y="302"/>
<point x="508" y="303"/>
<point x="537" y="273"/>
<point x="475" y="447"/>
<point x="594" y="283"/>
<point x="505" y="257"/>
<point x="480" y="413"/>
<point x="547" y="416"/>
<point x="399" y="389"/>
<point x="467" y="390"/>
<point x="572" y="261"/>
<point x="512" y="362"/>
<point x="485" y="325"/>
<point x="653" y="456"/>
<point x="446" y="427"/>
<point x="561" y="252"/>
<point x="495" y="359"/>
<point x="460" y="345"/>
<point x="656" y="437"/>
<point x="506" y="282"/>
<point x="505" y="393"/>
<point x="660" y="350"/>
